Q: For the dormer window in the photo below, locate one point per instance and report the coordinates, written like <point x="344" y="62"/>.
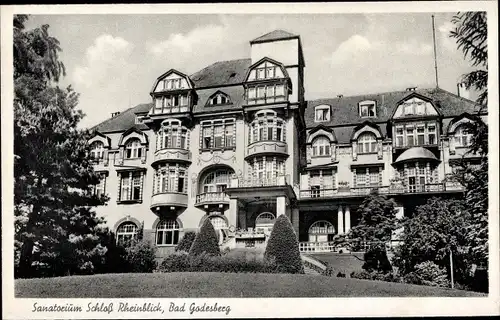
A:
<point x="367" y="109"/>
<point x="97" y="150"/>
<point x="219" y="98"/>
<point x="171" y="84"/>
<point x="322" y="113"/>
<point x="321" y="146"/>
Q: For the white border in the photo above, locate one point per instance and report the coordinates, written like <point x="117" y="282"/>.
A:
<point x="270" y="307"/>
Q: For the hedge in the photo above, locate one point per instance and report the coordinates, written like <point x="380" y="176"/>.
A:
<point x="205" y="241"/>
<point x="283" y="247"/>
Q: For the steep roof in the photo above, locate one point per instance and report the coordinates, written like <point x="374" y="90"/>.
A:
<point x="222" y="73"/>
<point x="125" y="120"/>
<point x="274" y="35"/>
<point x="345" y="109"/>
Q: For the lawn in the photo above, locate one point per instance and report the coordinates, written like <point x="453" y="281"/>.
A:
<point x="210" y="284"/>
<point x="344" y="262"/>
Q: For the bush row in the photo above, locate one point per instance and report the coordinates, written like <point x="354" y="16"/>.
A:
<point x="183" y="262"/>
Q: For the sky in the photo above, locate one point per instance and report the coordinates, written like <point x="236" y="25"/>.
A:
<point x="113" y="60"/>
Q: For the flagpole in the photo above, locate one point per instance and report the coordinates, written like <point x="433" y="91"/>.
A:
<point x="435" y="53"/>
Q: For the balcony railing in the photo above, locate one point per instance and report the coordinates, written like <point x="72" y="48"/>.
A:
<point x="212" y="197"/>
<point x="260" y="182"/>
<point x="391" y="189"/>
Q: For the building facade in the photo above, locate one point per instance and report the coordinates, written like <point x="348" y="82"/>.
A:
<point x="237" y="143"/>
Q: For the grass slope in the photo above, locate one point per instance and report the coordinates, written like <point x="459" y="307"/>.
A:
<point x="209" y="284"/>
<point x="344" y="262"/>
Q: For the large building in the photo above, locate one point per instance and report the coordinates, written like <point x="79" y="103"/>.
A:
<point x="237" y="143"/>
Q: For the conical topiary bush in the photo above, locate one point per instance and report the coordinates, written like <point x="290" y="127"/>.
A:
<point x="283" y="247"/>
<point x="186" y="241"/>
<point x="205" y="241"/>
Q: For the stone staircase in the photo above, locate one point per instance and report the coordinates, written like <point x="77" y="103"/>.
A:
<point x="310" y="271"/>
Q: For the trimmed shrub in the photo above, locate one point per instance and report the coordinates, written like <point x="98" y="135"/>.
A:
<point x="181" y="261"/>
<point x="328" y="271"/>
<point x="365" y="275"/>
<point x="376" y="260"/>
<point x="340" y="275"/>
<point x="428" y="274"/>
<point x="283" y="247"/>
<point x="175" y="262"/>
<point x="186" y="241"/>
<point x="141" y="256"/>
<point x="205" y="241"/>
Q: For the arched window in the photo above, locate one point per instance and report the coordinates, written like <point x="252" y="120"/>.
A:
<point x="267" y="127"/>
<point x="216" y="181"/>
<point x="172" y="135"/>
<point x="367" y="143"/>
<point x="97" y="150"/>
<point x="321" y="146"/>
<point x="219" y="98"/>
<point x="133" y="149"/>
<point x="264" y="222"/>
<point x="126" y="232"/>
<point x="167" y="233"/>
<point x="462" y="137"/>
<point x="321" y="231"/>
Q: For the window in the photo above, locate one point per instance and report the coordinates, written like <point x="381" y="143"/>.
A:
<point x="170" y="178"/>
<point x="322" y="114"/>
<point x="97" y="150"/>
<point x="131" y="186"/>
<point x="133" y="149"/>
<point x="267" y="169"/>
<point x="409" y="109"/>
<point x="100" y="188"/>
<point x="431" y="129"/>
<point x="139" y="119"/>
<point x="266" y="70"/>
<point x="367" y="143"/>
<point x="321" y="146"/>
<point x="219" y="98"/>
<point x="321" y="231"/>
<point x="367" y="177"/>
<point x="167" y="233"/>
<point x="172" y="84"/>
<point x="172" y="135"/>
<point x="126" y="232"/>
<point x="410" y="138"/>
<point x="266" y="127"/>
<point x="399" y="136"/>
<point x="266" y="93"/>
<point x="462" y="137"/>
<point x="228" y="138"/>
<point x="207" y="137"/>
<point x="216" y="181"/>
<point x="217" y="134"/>
<point x="367" y="110"/>
<point x="420" y="135"/>
<point x="171" y="103"/>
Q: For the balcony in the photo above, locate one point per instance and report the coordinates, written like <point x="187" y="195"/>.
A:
<point x="392" y="189"/>
<point x="172" y="155"/>
<point x="211" y="198"/>
<point x="261" y="148"/>
<point x="256" y="182"/>
<point x="169" y="199"/>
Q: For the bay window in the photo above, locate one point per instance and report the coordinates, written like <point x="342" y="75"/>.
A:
<point x="267" y="127"/>
<point x="415" y="134"/>
<point x="266" y="169"/>
<point x="170" y="178"/>
<point x="266" y="93"/>
<point x="172" y="135"/>
<point x="131" y="184"/>
<point x="171" y="103"/>
<point x="217" y="134"/>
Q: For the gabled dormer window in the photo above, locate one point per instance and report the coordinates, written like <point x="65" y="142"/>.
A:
<point x="219" y="98"/>
<point x="367" y="109"/>
<point x="322" y="113"/>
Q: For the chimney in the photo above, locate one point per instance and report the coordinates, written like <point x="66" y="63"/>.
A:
<point x="340" y="96"/>
<point x="462" y="91"/>
<point x="411" y="89"/>
<point x="114" y="114"/>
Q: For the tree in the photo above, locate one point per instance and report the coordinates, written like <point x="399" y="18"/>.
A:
<point x="186" y="241"/>
<point x="283" y="247"/>
<point x="205" y="241"/>
<point x="436" y="229"/>
<point x="378" y="220"/>
<point x="55" y="225"/>
<point x="471" y="36"/>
